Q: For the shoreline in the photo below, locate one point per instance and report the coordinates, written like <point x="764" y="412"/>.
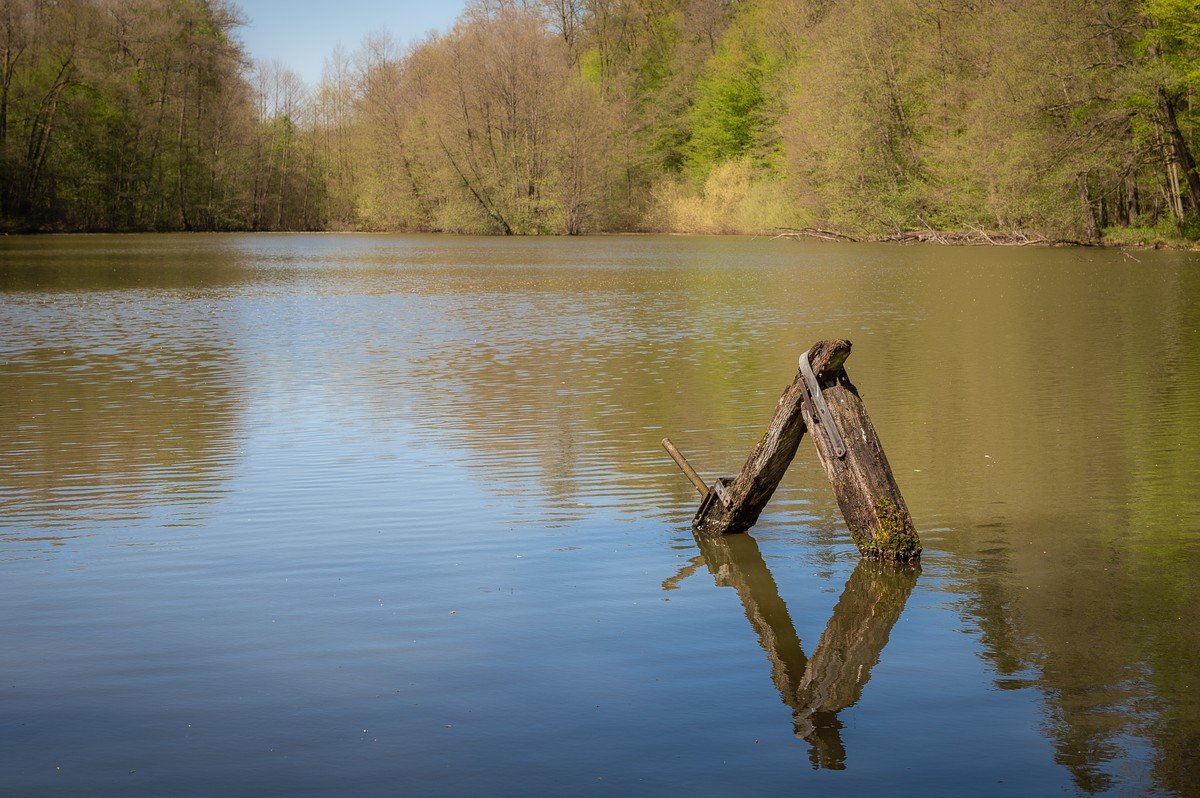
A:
<point x="949" y="238"/>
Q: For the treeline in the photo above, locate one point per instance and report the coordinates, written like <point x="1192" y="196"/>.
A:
<point x="146" y="115"/>
<point x="1064" y="118"/>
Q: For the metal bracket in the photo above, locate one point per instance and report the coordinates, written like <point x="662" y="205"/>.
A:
<point x="823" y="416"/>
<point x="722" y="494"/>
<point x="718" y="494"/>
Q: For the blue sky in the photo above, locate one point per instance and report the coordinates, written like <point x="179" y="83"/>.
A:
<point x="301" y="33"/>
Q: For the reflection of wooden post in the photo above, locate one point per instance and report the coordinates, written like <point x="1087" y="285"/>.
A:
<point x="750" y="490"/>
<point x="850" y="452"/>
<point x="848" y="649"/>
<point x="815" y="689"/>
<point x="736" y="562"/>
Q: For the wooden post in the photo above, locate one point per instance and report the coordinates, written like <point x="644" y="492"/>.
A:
<point x="862" y="480"/>
<point x="750" y="490"/>
<point x="850" y="452"/>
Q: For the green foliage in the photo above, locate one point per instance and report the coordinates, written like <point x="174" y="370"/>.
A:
<point x="591" y="67"/>
<point x="735" y="197"/>
<point x="1174" y="33"/>
<point x="119" y="117"/>
<point x="730" y="118"/>
<point x="1162" y="234"/>
<point x="868" y="116"/>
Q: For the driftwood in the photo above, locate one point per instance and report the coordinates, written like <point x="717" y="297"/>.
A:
<point x="812" y="232"/>
<point x="850" y="452"/>
<point x="815" y="689"/>
<point x="975" y="236"/>
<point x="972" y="236"/>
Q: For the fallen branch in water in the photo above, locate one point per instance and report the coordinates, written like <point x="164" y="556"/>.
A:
<point x="812" y="232"/>
<point x="973" y="236"/>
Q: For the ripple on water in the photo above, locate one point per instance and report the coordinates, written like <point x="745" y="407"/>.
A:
<point x="368" y="513"/>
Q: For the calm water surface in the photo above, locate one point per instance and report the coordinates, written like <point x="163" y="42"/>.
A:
<point x="373" y="515"/>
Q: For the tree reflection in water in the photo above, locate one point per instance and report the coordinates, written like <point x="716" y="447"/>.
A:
<point x="817" y="688"/>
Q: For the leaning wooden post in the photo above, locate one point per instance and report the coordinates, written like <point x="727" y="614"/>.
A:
<point x="857" y="468"/>
<point x="750" y="490"/>
<point x="820" y="398"/>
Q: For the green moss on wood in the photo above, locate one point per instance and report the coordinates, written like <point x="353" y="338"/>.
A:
<point x="896" y="539"/>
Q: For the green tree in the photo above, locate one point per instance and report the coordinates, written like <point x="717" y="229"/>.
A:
<point x="733" y="116"/>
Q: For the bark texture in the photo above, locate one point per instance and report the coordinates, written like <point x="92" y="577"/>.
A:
<point x="863" y="482"/>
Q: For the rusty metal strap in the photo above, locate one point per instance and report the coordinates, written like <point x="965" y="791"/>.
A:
<point x="822" y="415"/>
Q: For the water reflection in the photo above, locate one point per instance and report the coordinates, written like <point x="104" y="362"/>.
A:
<point x="114" y="405"/>
<point x="75" y="264"/>
<point x="86" y="442"/>
<point x="573" y="374"/>
<point x="817" y="688"/>
<point x="1043" y="408"/>
<point x="1106" y="635"/>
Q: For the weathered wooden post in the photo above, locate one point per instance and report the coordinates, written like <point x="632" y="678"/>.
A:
<point x="857" y="468"/>
<point x="821" y="398"/>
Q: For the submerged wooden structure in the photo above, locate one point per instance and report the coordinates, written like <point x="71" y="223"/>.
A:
<point x="820" y="400"/>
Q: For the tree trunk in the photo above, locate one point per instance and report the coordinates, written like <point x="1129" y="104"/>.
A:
<point x="1183" y="155"/>
<point x="1132" y="206"/>
<point x="1091" y="231"/>
<point x="5" y="80"/>
<point x="180" y="171"/>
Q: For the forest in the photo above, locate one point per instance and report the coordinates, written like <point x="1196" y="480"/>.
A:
<point x="1013" y="120"/>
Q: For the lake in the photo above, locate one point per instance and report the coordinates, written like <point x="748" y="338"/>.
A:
<point x="384" y="515"/>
